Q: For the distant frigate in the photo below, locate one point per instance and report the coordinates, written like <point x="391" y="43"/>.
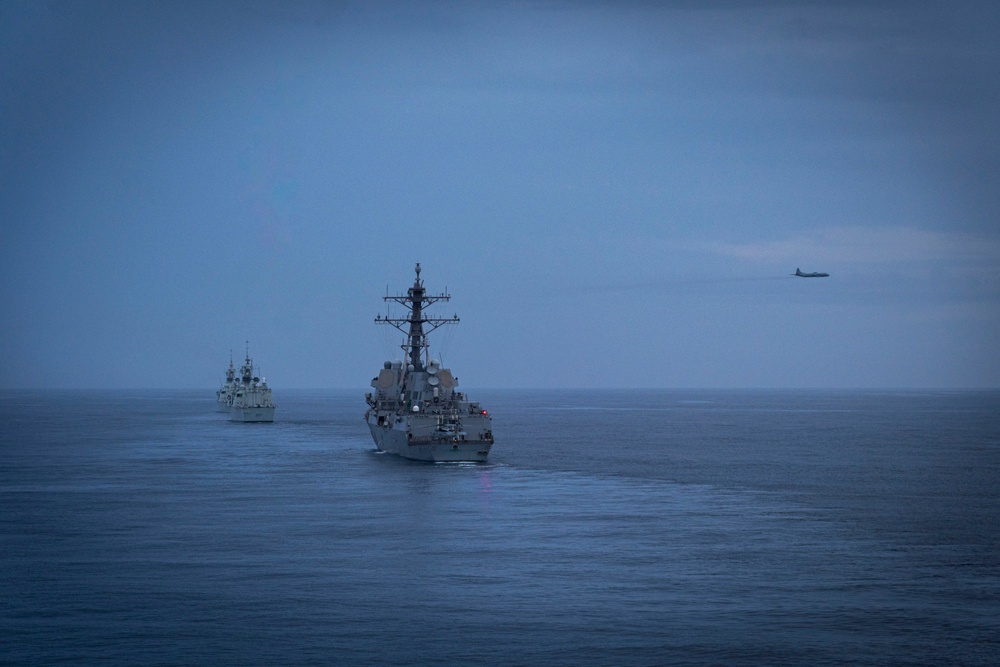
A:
<point x="416" y="410"/>
<point x="224" y="396"/>
<point x="811" y="274"/>
<point x="251" y="400"/>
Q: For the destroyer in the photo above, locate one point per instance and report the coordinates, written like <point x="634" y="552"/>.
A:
<point x="224" y="396"/>
<point x="415" y="410"/>
<point x="251" y="400"/>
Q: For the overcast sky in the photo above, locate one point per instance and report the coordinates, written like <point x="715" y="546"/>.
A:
<point x="614" y="193"/>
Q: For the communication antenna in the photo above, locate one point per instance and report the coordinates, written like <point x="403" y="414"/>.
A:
<point x="416" y="326"/>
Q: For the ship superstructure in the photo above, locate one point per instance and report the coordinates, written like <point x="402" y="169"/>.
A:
<point x="224" y="396"/>
<point x="416" y="410"/>
<point x="251" y="400"/>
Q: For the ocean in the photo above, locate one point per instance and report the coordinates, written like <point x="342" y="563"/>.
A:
<point x="609" y="528"/>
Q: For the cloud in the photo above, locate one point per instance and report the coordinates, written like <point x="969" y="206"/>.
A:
<point x="846" y="245"/>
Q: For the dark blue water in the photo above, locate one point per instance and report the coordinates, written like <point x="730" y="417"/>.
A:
<point x="609" y="528"/>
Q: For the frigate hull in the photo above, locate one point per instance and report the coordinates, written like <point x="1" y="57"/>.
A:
<point x="251" y="414"/>
<point x="400" y="442"/>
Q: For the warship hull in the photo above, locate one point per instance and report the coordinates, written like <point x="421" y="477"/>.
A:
<point x="401" y="443"/>
<point x="251" y="414"/>
<point x="221" y="406"/>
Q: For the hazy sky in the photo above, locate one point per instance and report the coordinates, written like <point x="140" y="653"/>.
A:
<point x="614" y="193"/>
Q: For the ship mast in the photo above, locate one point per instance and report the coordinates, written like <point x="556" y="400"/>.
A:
<point x="415" y="300"/>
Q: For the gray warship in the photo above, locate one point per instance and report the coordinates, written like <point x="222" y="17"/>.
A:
<point x="224" y="396"/>
<point x="416" y="410"/>
<point x="251" y="400"/>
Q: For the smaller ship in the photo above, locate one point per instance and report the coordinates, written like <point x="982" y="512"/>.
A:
<point x="224" y="396"/>
<point x="810" y="274"/>
<point x="251" y="400"/>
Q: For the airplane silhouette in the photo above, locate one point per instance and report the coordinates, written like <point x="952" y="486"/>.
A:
<point x="798" y="272"/>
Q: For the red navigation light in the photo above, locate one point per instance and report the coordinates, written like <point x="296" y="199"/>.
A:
<point x="484" y="412"/>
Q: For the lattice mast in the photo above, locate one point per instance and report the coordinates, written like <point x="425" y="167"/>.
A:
<point x="415" y="300"/>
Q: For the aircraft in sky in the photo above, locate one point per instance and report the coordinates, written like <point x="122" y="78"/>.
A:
<point x="798" y="272"/>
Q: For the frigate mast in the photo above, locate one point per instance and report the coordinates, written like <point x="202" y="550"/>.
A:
<point x="415" y="300"/>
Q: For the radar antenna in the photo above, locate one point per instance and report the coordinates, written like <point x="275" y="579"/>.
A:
<point x="415" y="300"/>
